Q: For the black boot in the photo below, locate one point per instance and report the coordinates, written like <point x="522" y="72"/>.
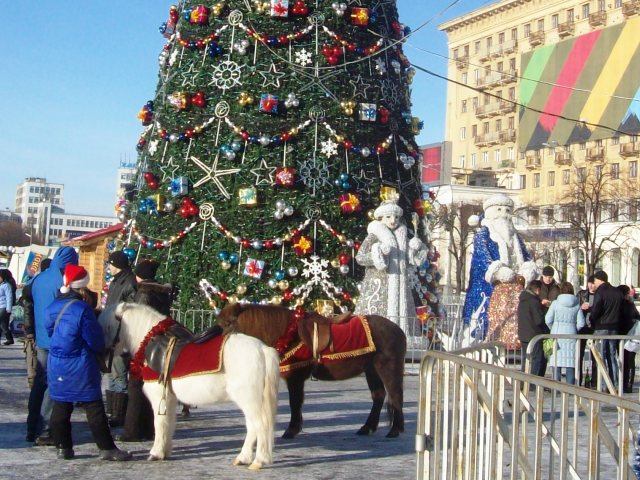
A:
<point x="45" y="440"/>
<point x="119" y="409"/>
<point x="66" y="453"/>
<point x="115" y="455"/>
<point x="108" y="404"/>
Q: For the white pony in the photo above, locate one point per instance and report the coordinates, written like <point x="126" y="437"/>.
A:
<point x="249" y="377"/>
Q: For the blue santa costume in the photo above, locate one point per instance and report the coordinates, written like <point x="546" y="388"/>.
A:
<point x="490" y="254"/>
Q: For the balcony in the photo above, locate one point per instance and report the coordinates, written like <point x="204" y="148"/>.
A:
<point x="533" y="161"/>
<point x="507" y="165"/>
<point x="462" y="63"/>
<point x="564" y="158"/>
<point x="595" y="154"/>
<point x="566" y="29"/>
<point x="487" y="139"/>
<point x="510" y="76"/>
<point x="495" y="108"/>
<point x="507" y="136"/>
<point x="536" y="39"/>
<point x="510" y="46"/>
<point x="631" y="8"/>
<point x="490" y="80"/>
<point x="630" y="149"/>
<point x="598" y="19"/>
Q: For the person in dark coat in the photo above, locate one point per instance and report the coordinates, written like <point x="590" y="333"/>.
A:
<point x="550" y="289"/>
<point x="629" y="317"/>
<point x="42" y="291"/>
<point x="7" y="301"/>
<point x="531" y="323"/>
<point x="605" y="318"/>
<point x="585" y="298"/>
<point x="73" y="370"/>
<point x="138" y="422"/>
<point x="121" y="289"/>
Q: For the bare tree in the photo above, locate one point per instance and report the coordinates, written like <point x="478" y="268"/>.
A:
<point x="12" y="234"/>
<point x="454" y="220"/>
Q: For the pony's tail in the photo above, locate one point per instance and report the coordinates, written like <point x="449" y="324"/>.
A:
<point x="270" y="393"/>
<point x="228" y="318"/>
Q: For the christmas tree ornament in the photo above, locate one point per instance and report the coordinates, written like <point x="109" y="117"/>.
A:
<point x="199" y="99"/>
<point x="226" y="75"/>
<point x="272" y="283"/>
<point x="169" y="206"/>
<point x="343" y="181"/>
<point x="279" y="8"/>
<point x="292" y="271"/>
<point x="261" y="6"/>
<point x="332" y="53"/>
<point x="302" y="245"/>
<point x="350" y="203"/>
<point x="359" y="16"/>
<point x="268" y="104"/>
<point x="159" y="202"/>
<point x="271" y="77"/>
<point x="360" y="87"/>
<point x="383" y="115"/>
<point x="227" y="152"/>
<point x="365" y="152"/>
<point x="151" y="180"/>
<point x="218" y="9"/>
<point x="257" y="244"/>
<point x="291" y="101"/>
<point x="179" y="186"/>
<point x="348" y="107"/>
<point x="130" y="253"/>
<point x="188" y="208"/>
<point x="279" y="275"/>
<point x="198" y="15"/>
<point x="339" y="8"/>
<point x="241" y="289"/>
<point x="299" y="8"/>
<point x="368" y="112"/>
<point x="344" y="269"/>
<point x="248" y="197"/>
<point x="388" y="193"/>
<point x="283" y="285"/>
<point x="178" y="100"/>
<point x="381" y="66"/>
<point x="225" y="265"/>
<point x="303" y="57"/>
<point x="395" y="64"/>
<point x="314" y="175"/>
<point x="245" y="99"/>
<point x="213" y="174"/>
<point x="328" y="148"/>
<point x="254" y="268"/>
<point x="241" y="47"/>
<point x="145" y="115"/>
<point x="285" y="177"/>
<point x="264" y="173"/>
<point x="264" y="140"/>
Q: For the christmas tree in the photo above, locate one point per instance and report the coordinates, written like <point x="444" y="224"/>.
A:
<point x="276" y="128"/>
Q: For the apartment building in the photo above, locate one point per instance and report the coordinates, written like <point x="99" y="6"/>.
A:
<point x="30" y="193"/>
<point x="557" y="93"/>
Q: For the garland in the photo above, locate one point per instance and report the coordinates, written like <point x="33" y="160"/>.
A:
<point x="137" y="362"/>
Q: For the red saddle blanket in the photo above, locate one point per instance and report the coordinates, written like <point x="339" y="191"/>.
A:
<point x="349" y="339"/>
<point x="194" y="359"/>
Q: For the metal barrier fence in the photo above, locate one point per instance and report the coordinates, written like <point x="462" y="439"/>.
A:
<point x="478" y="420"/>
<point x="195" y="320"/>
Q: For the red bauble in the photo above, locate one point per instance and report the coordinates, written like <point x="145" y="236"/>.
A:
<point x="344" y="259"/>
<point x="346" y="296"/>
<point x="285" y="177"/>
<point x="199" y="100"/>
<point x="245" y="243"/>
<point x="333" y="60"/>
<point x="287" y="295"/>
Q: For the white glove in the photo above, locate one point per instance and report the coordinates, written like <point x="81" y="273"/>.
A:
<point x="505" y="275"/>
<point x="415" y="244"/>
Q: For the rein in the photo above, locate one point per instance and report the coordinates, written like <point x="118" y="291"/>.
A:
<point x="137" y="362"/>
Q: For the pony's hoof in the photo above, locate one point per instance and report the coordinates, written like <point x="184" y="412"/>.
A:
<point x="153" y="458"/>
<point x="393" y="434"/>
<point x="290" y="433"/>
<point x="365" y="430"/>
<point x="255" y="466"/>
<point x="239" y="461"/>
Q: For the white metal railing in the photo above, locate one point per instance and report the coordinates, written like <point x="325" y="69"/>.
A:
<point x="478" y="420"/>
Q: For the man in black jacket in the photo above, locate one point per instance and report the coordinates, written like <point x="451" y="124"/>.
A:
<point x="121" y="289"/>
<point x="605" y="319"/>
<point x="549" y="290"/>
<point x="531" y="323"/>
<point x="585" y="298"/>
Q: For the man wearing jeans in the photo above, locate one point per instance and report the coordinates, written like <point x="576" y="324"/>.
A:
<point x="605" y="319"/>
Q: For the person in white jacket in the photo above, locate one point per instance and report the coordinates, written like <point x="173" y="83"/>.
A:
<point x="7" y="299"/>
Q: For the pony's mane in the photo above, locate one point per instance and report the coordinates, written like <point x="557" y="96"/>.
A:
<point x="137" y="320"/>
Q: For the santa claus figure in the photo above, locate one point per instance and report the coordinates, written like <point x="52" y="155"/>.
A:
<point x="498" y="255"/>
<point x="388" y="256"/>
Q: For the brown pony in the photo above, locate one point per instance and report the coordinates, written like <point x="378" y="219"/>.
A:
<point x="384" y="368"/>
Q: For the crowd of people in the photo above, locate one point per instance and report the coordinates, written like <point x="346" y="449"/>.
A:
<point x="65" y="347"/>
<point x="601" y="309"/>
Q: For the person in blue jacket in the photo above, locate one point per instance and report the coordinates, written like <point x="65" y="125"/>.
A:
<point x="73" y="371"/>
<point x="42" y="291"/>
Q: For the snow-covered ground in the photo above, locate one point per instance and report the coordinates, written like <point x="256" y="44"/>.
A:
<point x="207" y="442"/>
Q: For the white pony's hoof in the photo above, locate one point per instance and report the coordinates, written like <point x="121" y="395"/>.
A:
<point x="153" y="458"/>
<point x="255" y="466"/>
<point x="238" y="461"/>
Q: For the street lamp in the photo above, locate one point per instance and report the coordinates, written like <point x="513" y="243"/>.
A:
<point x="30" y="239"/>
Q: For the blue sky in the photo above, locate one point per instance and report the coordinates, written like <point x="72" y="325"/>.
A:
<point x="74" y="75"/>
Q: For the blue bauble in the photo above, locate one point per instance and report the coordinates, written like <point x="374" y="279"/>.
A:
<point x="279" y="275"/>
<point x="234" y="259"/>
<point x="142" y="208"/>
<point x="149" y="244"/>
<point x="223" y="256"/>
<point x="162" y="28"/>
<point x="187" y="14"/>
<point x="346" y="185"/>
<point x="344" y="177"/>
<point x="130" y="253"/>
<point x="192" y="45"/>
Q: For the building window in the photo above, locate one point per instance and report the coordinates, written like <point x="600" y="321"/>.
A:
<point x="571" y="15"/>
<point x="497" y="156"/>
<point x="585" y="10"/>
<point x="455" y="53"/>
<point x="474" y="158"/>
<point x="598" y="171"/>
<point x="462" y="161"/>
<point x="599" y="143"/>
<point x="485" y="127"/>
<point x="485" y="158"/>
<point x="527" y="30"/>
<point x="633" y="169"/>
<point x="463" y="106"/>
<point x="498" y="125"/>
<point x="489" y="42"/>
<point x="463" y="133"/>
<point x="555" y="20"/>
<point x="541" y="25"/>
<point x="523" y="182"/>
<point x="514" y="34"/>
<point x="512" y="93"/>
<point x="500" y="68"/>
<point x="615" y="171"/>
<point x="474" y="131"/>
<point x="510" y="153"/>
<point x="512" y="123"/>
<point x="583" y="146"/>
<point x="618" y="4"/>
<point x="476" y="47"/>
<point x="476" y="74"/>
<point x="551" y="179"/>
<point x="615" y="141"/>
<point x="536" y="180"/>
<point x="602" y="5"/>
<point x="464" y="78"/>
<point x="474" y="103"/>
<point x="501" y="38"/>
<point x="566" y="177"/>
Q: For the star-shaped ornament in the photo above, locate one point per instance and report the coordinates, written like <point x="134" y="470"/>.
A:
<point x="169" y="169"/>
<point x="362" y="182"/>
<point x="271" y="76"/>
<point x="213" y="175"/>
<point x="263" y="173"/>
<point x="329" y="148"/>
<point x="360" y="87"/>
<point x="190" y="75"/>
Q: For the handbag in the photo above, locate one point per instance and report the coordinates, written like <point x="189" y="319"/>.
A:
<point x="633" y="345"/>
<point x="547" y="347"/>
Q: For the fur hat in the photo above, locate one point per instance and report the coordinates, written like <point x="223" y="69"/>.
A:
<point x="119" y="260"/>
<point x="75" y="277"/>
<point x="147" y="269"/>
<point x="498" y="199"/>
<point x="548" y="271"/>
<point x="601" y="275"/>
<point x="388" y="207"/>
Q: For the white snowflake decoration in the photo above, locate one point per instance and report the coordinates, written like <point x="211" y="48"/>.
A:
<point x="226" y="75"/>
<point x="303" y="57"/>
<point x="390" y="92"/>
<point x="153" y="147"/>
<point x="329" y="148"/>
<point x="315" y="269"/>
<point x="381" y="66"/>
<point x="314" y="174"/>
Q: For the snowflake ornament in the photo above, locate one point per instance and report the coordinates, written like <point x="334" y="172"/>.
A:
<point x="315" y="269"/>
<point x="381" y="66"/>
<point x="303" y="57"/>
<point x="226" y="75"/>
<point x="314" y="174"/>
<point x="329" y="148"/>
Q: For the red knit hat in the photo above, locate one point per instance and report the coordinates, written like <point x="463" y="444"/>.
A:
<point x="75" y="277"/>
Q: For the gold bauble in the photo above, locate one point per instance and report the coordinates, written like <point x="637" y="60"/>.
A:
<point x="276" y="300"/>
<point x="335" y="263"/>
<point x="213" y="303"/>
<point x="299" y="302"/>
<point x="283" y="285"/>
<point x="371" y="215"/>
<point x="241" y="289"/>
<point x="233" y="299"/>
<point x="225" y="265"/>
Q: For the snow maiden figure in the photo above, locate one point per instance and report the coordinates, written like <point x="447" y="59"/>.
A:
<point x="388" y="257"/>
<point x="498" y="253"/>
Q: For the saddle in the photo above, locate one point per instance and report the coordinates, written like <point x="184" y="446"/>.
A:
<point x="163" y="350"/>
<point x="315" y="331"/>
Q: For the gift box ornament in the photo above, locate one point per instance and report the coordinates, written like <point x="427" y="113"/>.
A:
<point x="388" y="194"/>
<point x="253" y="268"/>
<point x="145" y="115"/>
<point x="423" y="313"/>
<point x="285" y="177"/>
<point x="248" y="196"/>
<point x="368" y="112"/>
<point x="359" y="16"/>
<point x="350" y="203"/>
<point x="279" y="8"/>
<point x="324" y="307"/>
<point x="179" y="186"/>
<point x="302" y="245"/>
<point x="199" y="15"/>
<point x="160" y="201"/>
<point x="179" y="100"/>
<point x="268" y="104"/>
